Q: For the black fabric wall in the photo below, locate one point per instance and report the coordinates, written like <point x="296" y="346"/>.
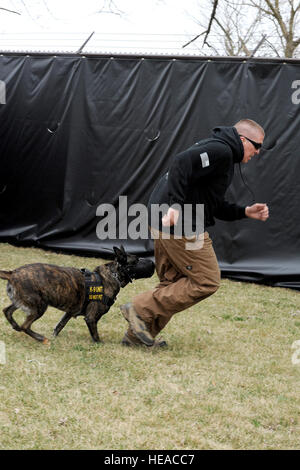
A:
<point x="76" y="132"/>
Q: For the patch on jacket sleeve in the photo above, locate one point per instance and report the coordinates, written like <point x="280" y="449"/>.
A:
<point x="204" y="159"/>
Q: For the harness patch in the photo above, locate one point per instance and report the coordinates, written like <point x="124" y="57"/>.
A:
<point x="94" y="291"/>
<point x="204" y="159"/>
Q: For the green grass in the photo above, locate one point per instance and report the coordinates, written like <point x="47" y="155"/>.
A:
<point x="226" y="381"/>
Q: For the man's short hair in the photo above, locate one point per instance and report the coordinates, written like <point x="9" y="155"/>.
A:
<point x="248" y="123"/>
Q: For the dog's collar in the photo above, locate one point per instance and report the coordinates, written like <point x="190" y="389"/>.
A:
<point x="125" y="272"/>
<point x="116" y="277"/>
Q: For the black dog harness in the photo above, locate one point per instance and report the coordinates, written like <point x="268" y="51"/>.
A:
<point x="94" y="290"/>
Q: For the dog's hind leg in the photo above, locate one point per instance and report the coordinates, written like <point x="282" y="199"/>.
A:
<point x="33" y="316"/>
<point x="62" y="323"/>
<point x="8" y="311"/>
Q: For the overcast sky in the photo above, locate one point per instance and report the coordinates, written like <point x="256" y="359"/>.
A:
<point x="151" y="16"/>
<point x="73" y="21"/>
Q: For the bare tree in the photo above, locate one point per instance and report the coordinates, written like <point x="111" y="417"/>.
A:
<point x="230" y="30"/>
<point x="239" y="27"/>
<point x="284" y="15"/>
<point x="238" y="30"/>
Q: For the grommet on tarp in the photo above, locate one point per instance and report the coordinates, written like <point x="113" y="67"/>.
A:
<point x="53" y="128"/>
<point x="152" y="134"/>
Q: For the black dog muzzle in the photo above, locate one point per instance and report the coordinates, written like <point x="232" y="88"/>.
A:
<point x="143" y="269"/>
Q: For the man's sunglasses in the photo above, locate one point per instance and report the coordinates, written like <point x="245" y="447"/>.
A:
<point x="256" y="144"/>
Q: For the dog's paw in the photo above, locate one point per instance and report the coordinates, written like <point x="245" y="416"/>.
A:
<point x="46" y="341"/>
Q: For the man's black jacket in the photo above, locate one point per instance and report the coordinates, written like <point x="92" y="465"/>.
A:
<point x="201" y="175"/>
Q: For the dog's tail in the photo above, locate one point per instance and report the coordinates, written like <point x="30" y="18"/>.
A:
<point x="5" y="275"/>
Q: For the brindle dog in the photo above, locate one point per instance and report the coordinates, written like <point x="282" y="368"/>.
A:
<point x="34" y="287"/>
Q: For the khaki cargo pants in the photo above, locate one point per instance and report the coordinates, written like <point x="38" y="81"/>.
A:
<point x="188" y="272"/>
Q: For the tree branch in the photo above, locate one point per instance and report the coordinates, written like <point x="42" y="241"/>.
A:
<point x="194" y="39"/>
<point x="10" y="11"/>
<point x="212" y="17"/>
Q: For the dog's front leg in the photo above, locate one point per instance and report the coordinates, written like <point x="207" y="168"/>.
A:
<point x="90" y="319"/>
<point x="92" y="326"/>
<point x="62" y="323"/>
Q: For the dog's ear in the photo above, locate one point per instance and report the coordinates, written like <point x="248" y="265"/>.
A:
<point x="117" y="251"/>
<point x="120" y="254"/>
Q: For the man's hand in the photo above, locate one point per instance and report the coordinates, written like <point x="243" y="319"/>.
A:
<point x="257" y="211"/>
<point x="170" y="218"/>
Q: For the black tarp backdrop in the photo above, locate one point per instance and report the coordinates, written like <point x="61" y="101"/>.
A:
<point x="76" y="132"/>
